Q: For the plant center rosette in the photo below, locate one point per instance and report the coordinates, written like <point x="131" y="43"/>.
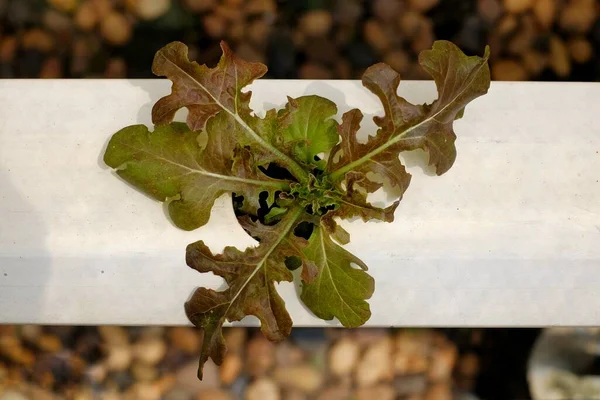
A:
<point x="293" y="174"/>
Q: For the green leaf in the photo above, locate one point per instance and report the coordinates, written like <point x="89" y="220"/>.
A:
<point x="405" y="126"/>
<point x="170" y="165"/>
<point x="250" y="276"/>
<point x="206" y="92"/>
<point x="339" y="290"/>
<point x="310" y="129"/>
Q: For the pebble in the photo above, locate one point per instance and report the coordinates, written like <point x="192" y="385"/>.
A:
<point x="8" y="48"/>
<point x="534" y="62"/>
<point x="412" y="24"/>
<point x="231" y="368"/>
<point x="422" y="6"/>
<point x="28" y="332"/>
<point x="116" y="29"/>
<point x="376" y="364"/>
<point x="323" y="51"/>
<point x="144" y="372"/>
<point x="424" y="40"/>
<point x="38" y="39"/>
<point x="559" y="57"/>
<point x="185" y="339"/>
<point x="118" y="358"/>
<point x="581" y="50"/>
<point x="249" y="53"/>
<point x="150" y="350"/>
<point x="260" y="7"/>
<point x="12" y="395"/>
<point x="145" y="391"/>
<point x="287" y="354"/>
<point x="258" y="31"/>
<point x="187" y="377"/>
<point x="489" y="10"/>
<point x="103" y="8"/>
<point x="178" y="393"/>
<point x="347" y="12"/>
<point x="578" y="16"/>
<point x="51" y="69"/>
<point x="343" y="356"/>
<point x="96" y="373"/>
<point x="379" y="392"/>
<point x="376" y="36"/>
<point x="263" y="389"/>
<point x="314" y="71"/>
<point x="508" y="70"/>
<point x="235" y="339"/>
<point x="413" y="384"/>
<point x="441" y="391"/>
<point x="86" y="18"/>
<point x="523" y="39"/>
<point x="442" y="363"/>
<point x="199" y="5"/>
<point x="149" y="9"/>
<point x="64" y="5"/>
<point x="545" y="12"/>
<point x="300" y="377"/>
<point x="387" y="10"/>
<point x="214" y="394"/>
<point x="517" y="6"/>
<point x="507" y="25"/>
<point x="468" y="365"/>
<point x="336" y="392"/>
<point x="316" y="23"/>
<point x="214" y="25"/>
<point x="260" y="356"/>
<point x="116" y="68"/>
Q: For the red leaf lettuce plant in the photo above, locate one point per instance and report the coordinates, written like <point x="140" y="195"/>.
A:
<point x="285" y="195"/>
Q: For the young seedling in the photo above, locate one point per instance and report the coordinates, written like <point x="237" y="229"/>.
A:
<point x="286" y="196"/>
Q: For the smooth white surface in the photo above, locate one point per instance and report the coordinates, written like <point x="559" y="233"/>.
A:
<point x="509" y="236"/>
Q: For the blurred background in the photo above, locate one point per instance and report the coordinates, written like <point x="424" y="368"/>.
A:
<point x="544" y="40"/>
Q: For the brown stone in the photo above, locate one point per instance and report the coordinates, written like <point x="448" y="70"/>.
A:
<point x="57" y="22"/>
<point x="199" y="5"/>
<point x="398" y="60"/>
<point x="235" y="339"/>
<point x="517" y="6"/>
<point x="8" y="48"/>
<point x="150" y="350"/>
<point x="116" y="29"/>
<point x="442" y="363"/>
<point x="103" y="8"/>
<point x="343" y="69"/>
<point x="262" y="389"/>
<point x="260" y="7"/>
<point x="581" y="50"/>
<point x="440" y="391"/>
<point x="214" y="394"/>
<point x="323" y="51"/>
<point x="386" y="10"/>
<point x="118" y="357"/>
<point x="143" y="372"/>
<point x="316" y="23"/>
<point x="376" y="364"/>
<point x="412" y="24"/>
<point x="377" y="392"/>
<point x="534" y="62"/>
<point x="258" y="31"/>
<point x="215" y="25"/>
<point x="343" y="356"/>
<point x="578" y="16"/>
<point x="249" y="53"/>
<point x="86" y="18"/>
<point x="424" y="40"/>
<point x="185" y="339"/>
<point x="260" y="356"/>
<point x="490" y="10"/>
<point x="187" y="377"/>
<point x="116" y="69"/>
<point x="559" y="57"/>
<point x="64" y="5"/>
<point x="231" y="368"/>
<point x="422" y="6"/>
<point x="545" y="12"/>
<point x="507" y="25"/>
<point x="149" y="9"/>
<point x="51" y="69"/>
<point x="339" y="391"/>
<point x="314" y="71"/>
<point x="287" y="354"/>
<point x="468" y="365"/>
<point x="38" y="39"/>
<point x="116" y="335"/>
<point x="231" y="14"/>
<point x="376" y="36"/>
<point x="299" y="377"/>
<point x="144" y="391"/>
<point x="521" y="42"/>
